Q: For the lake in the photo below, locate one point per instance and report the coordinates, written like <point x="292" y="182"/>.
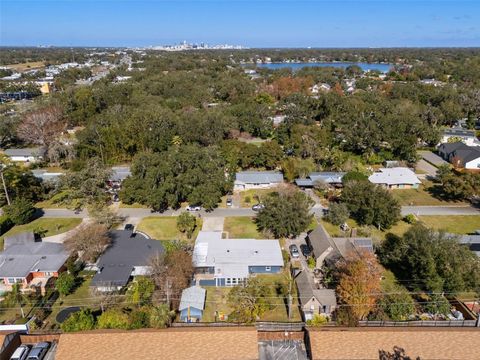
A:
<point x="384" y="68"/>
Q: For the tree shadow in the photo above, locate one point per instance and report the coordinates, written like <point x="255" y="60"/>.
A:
<point x="398" y="353"/>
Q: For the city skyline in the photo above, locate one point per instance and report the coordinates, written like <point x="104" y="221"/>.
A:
<point x="255" y="24"/>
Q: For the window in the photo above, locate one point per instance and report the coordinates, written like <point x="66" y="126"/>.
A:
<point x="14" y="280"/>
<point x="47" y="273"/>
<point x="228" y="281"/>
<point x="268" y="268"/>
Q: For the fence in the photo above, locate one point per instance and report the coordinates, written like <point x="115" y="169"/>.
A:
<point x="420" y="323"/>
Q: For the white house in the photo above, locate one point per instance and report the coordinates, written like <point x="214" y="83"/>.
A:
<point x="245" y="180"/>
<point x="468" y="137"/>
<point x="229" y="262"/>
<point x="395" y="178"/>
<point x="27" y="155"/>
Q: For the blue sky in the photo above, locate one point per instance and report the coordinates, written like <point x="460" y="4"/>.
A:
<point x="261" y="23"/>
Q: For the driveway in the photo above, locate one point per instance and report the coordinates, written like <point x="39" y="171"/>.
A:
<point x="213" y="224"/>
<point x="426" y="167"/>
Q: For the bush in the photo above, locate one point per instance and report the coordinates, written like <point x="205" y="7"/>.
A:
<point x="410" y="219"/>
<point x="79" y="321"/>
<point x="318" y="320"/>
<point x="113" y="319"/>
<point x="65" y="283"/>
<point x="5" y="224"/>
<point x="248" y="199"/>
<point x="337" y="214"/>
<point x="311" y="263"/>
<point x="21" y="211"/>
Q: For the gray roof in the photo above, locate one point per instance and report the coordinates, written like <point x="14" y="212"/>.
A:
<point x="37" y="151"/>
<point x="120" y="173"/>
<point x="124" y="253"/>
<point x="18" y="260"/>
<point x="23" y="238"/>
<point x="319" y="240"/>
<point x="467" y="155"/>
<point x="472" y="241"/>
<point x="306" y="291"/>
<point x="394" y="176"/>
<point x="193" y="297"/>
<point x="259" y="177"/>
<point x="328" y="177"/>
<point x="459" y="132"/>
<point x="448" y="148"/>
<point x="44" y="175"/>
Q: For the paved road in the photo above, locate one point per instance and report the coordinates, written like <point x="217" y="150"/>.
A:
<point x="141" y="213"/>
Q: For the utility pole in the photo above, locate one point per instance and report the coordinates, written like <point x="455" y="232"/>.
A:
<point x="2" y="167"/>
<point x="168" y="291"/>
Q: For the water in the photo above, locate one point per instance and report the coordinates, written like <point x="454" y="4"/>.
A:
<point x="384" y="68"/>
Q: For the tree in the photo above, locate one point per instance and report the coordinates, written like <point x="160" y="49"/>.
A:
<point x="186" y="223"/>
<point x="104" y="215"/>
<point x="359" y="284"/>
<point x="337" y="213"/>
<point x="40" y="127"/>
<point x="21" y="211"/>
<point x="250" y="301"/>
<point x="354" y="176"/>
<point x="82" y="320"/>
<point x="161" y="316"/>
<point x="286" y="213"/>
<point x="65" y="283"/>
<point x="113" y="319"/>
<point x="87" y="186"/>
<point x="370" y="204"/>
<point x="141" y="290"/>
<point x="88" y="239"/>
<point x="431" y="261"/>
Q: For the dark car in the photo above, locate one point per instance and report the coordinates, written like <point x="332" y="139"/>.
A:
<point x="305" y="249"/>
<point x="129" y="227"/>
<point x="38" y="351"/>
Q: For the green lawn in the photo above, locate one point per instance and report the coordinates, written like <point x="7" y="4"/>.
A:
<point x="132" y="206"/>
<point x="421" y="196"/>
<point x="459" y="224"/>
<point x="55" y="202"/>
<point x="216" y="302"/>
<point x="253" y="195"/>
<point x="164" y="228"/>
<point x="241" y="227"/>
<point x="48" y="227"/>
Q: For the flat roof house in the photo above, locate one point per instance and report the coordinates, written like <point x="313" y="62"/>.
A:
<point x="395" y="178"/>
<point x="29" y="263"/>
<point x="28" y="155"/>
<point x="461" y="155"/>
<point x="229" y="262"/>
<point x="313" y="300"/>
<point x="328" y="177"/>
<point x="127" y="256"/>
<point x="245" y="180"/>
<point x="468" y="137"/>
<point x="326" y="248"/>
<point x="192" y="304"/>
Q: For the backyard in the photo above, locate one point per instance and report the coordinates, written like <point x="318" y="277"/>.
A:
<point x="164" y="228"/>
<point x="44" y="226"/>
<point x="426" y="194"/>
<point x="241" y="227"/>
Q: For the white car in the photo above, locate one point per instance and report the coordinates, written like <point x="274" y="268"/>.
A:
<point x="21" y="353"/>
<point x="193" y="208"/>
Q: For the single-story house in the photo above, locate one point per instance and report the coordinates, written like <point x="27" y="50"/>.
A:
<point x="461" y="155"/>
<point x="29" y="263"/>
<point x="331" y="178"/>
<point x="395" y="178"/>
<point x="45" y="176"/>
<point x="29" y="155"/>
<point x="245" y="180"/>
<point x="312" y="300"/>
<point x="127" y="256"/>
<point x="192" y="304"/>
<point x="229" y="262"/>
<point x="328" y="249"/>
<point x="468" y="137"/>
<point x="119" y="173"/>
<point x="472" y="241"/>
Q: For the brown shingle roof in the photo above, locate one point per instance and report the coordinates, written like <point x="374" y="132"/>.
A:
<point x="169" y="344"/>
<point x="365" y="344"/>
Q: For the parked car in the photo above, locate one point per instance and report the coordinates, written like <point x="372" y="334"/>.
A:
<point x="193" y="208"/>
<point x="129" y="227"/>
<point x="116" y="198"/>
<point x="20" y="353"/>
<point x="38" y="351"/>
<point x="258" y="207"/>
<point x="305" y="249"/>
<point x="229" y="202"/>
<point x="294" y="251"/>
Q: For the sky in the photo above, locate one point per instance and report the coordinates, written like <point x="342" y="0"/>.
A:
<point x="260" y="23"/>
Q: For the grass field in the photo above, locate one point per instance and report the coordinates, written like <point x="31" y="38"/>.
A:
<point x="55" y="202"/>
<point x="26" y="66"/>
<point x="253" y="195"/>
<point x="216" y="302"/>
<point x="241" y="227"/>
<point x="47" y="227"/>
<point x="165" y="228"/>
<point x="459" y="224"/>
<point x="132" y="206"/>
<point x="421" y="196"/>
